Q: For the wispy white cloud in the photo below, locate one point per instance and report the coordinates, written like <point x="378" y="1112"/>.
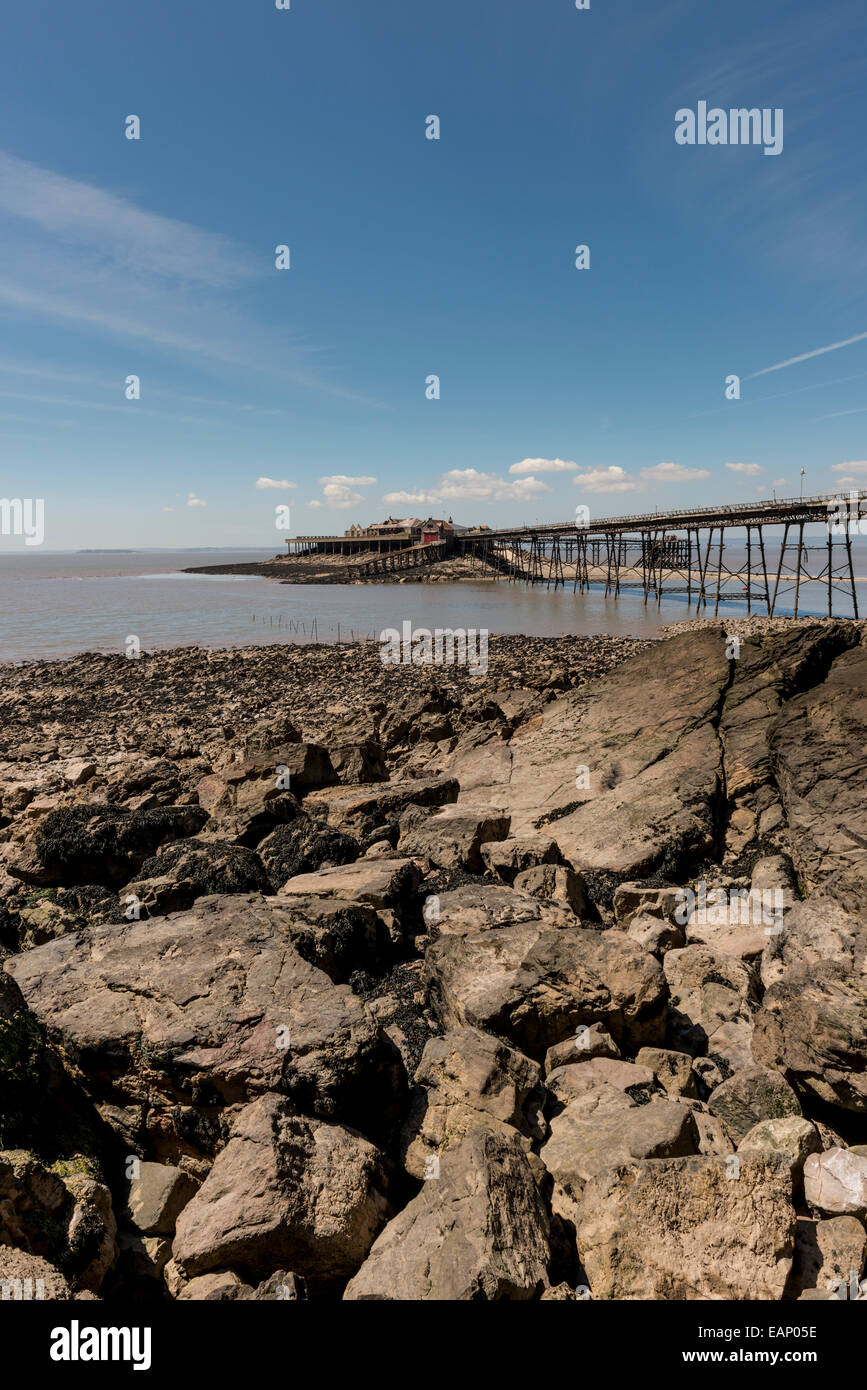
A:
<point x="143" y="241"/>
<point x="750" y="470"/>
<point x="263" y="483"/>
<point x="859" y="466"/>
<point x="71" y="252"/>
<point x="805" y="356"/>
<point x="194" y="501"/>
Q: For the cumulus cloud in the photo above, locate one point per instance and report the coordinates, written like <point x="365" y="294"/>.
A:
<point x="750" y="470"/>
<point x="611" y="479"/>
<point x="340" y="495"/>
<point x="314" y="503"/>
<point x="410" y="499"/>
<point x="470" y="484"/>
<point x="673" y="473"/>
<point x="859" y="466"/>
<point x="543" y="466"/>
<point x="273" y="482"/>
<point x="194" y="501"/>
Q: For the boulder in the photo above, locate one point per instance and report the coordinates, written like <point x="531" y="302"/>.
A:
<point x="819" y="777"/>
<point x="688" y="1228"/>
<point x="554" y="883"/>
<point x="203" y="1009"/>
<point x="101" y="844"/>
<point x="654" y="934"/>
<point x="385" y="884"/>
<point x="646" y="733"/>
<point x="587" y="1043"/>
<point x="577" y="1077"/>
<point x="478" y="1232"/>
<point x="360" y="810"/>
<point x="533" y="986"/>
<point x="453" y="836"/>
<point x="481" y="907"/>
<point x="750" y="1096"/>
<point x="157" y="1196"/>
<point x="713" y="1000"/>
<point x="587" y="1138"/>
<point x="185" y="870"/>
<point x="62" y="1214"/>
<point x="636" y="899"/>
<point x="506" y="858"/>
<point x="286" y="1190"/>
<point x="835" y="1182"/>
<point x="467" y="1080"/>
<point x="673" y="1070"/>
<point x="792" y="1138"/>
<point x="813" y="1027"/>
<point x="248" y="799"/>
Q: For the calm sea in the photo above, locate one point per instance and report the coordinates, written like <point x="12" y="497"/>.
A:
<point x="55" y="605"/>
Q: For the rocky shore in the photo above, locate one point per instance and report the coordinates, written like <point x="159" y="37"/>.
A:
<point x="337" y="569"/>
<point x="321" y="979"/>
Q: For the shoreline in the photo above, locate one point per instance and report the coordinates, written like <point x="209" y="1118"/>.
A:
<point x="744" y="625"/>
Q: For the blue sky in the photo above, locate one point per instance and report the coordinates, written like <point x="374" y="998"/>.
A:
<point x="412" y="257"/>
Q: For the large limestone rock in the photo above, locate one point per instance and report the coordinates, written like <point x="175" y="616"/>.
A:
<point x="285" y="1191"/>
<point x="646" y="733"/>
<point x="813" y="1027"/>
<point x="383" y="883"/>
<point x="101" y="844"/>
<point x="815" y="748"/>
<point x="203" y="1009"/>
<point x="713" y="1000"/>
<point x="752" y="1095"/>
<point x="185" y="870"/>
<point x="248" y="799"/>
<point x="587" y="1137"/>
<point x="835" y="1182"/>
<point x="582" y="1074"/>
<point x="534" y="986"/>
<point x="454" y="836"/>
<point x="688" y="1228"/>
<point x="768" y="672"/>
<point x="479" y="908"/>
<point x="467" y="1080"/>
<point x="792" y="1138"/>
<point x="158" y="1194"/>
<point x="479" y="1231"/>
<point x="360" y="810"/>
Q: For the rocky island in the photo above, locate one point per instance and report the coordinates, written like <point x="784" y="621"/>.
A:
<point x="324" y="980"/>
